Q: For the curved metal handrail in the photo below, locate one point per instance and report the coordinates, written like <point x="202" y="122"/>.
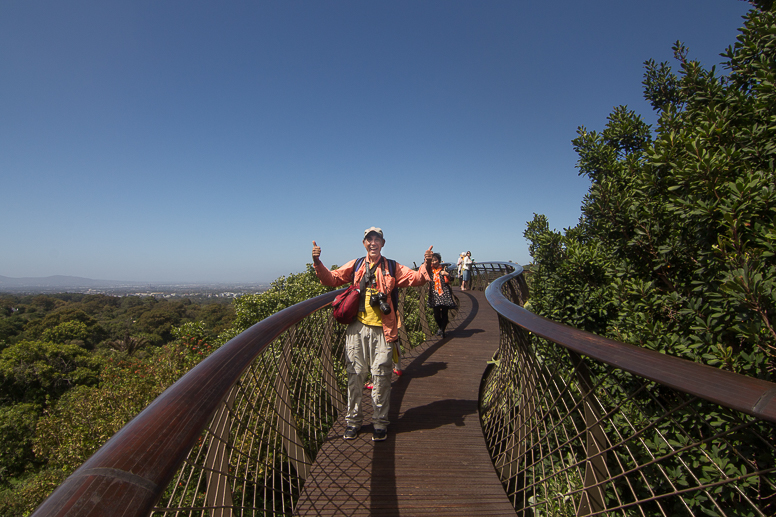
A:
<point x="245" y="424"/>
<point x="484" y="273"/>
<point x="580" y="424"/>
<point x="749" y="395"/>
<point x="134" y="463"/>
<point x="239" y="432"/>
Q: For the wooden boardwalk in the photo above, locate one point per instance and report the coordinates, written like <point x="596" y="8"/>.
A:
<point x="435" y="460"/>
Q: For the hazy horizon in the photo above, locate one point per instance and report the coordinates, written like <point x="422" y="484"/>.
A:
<point x="64" y="279"/>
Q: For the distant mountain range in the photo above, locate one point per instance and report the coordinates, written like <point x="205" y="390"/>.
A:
<point x="58" y="281"/>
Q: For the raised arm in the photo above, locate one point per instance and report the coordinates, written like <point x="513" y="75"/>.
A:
<point x="406" y="277"/>
<point x="330" y="278"/>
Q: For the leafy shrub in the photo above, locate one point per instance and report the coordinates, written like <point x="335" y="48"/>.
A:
<point x="675" y="247"/>
<point x="17" y="430"/>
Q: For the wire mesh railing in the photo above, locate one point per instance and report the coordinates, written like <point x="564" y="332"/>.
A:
<point x="576" y="424"/>
<point x="259" y="447"/>
<point x="238" y="434"/>
<point x="582" y="425"/>
<point x="483" y="273"/>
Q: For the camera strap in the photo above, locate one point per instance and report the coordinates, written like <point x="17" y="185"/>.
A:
<point x="368" y="280"/>
<point x="369" y="275"/>
<point x="391" y="271"/>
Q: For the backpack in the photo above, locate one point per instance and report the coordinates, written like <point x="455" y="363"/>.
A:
<point x="346" y="304"/>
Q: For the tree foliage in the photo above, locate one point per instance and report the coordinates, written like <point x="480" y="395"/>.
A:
<point x="86" y="417"/>
<point x="282" y="293"/>
<point x="675" y="247"/>
<point x="40" y="449"/>
<point x="75" y="368"/>
<point x="36" y="371"/>
<point x="61" y="399"/>
<point x="17" y="431"/>
<point x="98" y="321"/>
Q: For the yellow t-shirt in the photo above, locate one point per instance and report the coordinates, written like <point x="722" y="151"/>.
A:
<point x="373" y="315"/>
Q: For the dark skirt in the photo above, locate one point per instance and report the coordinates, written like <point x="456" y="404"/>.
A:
<point x="441" y="300"/>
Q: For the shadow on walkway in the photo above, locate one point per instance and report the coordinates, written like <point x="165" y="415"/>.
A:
<point x="435" y="459"/>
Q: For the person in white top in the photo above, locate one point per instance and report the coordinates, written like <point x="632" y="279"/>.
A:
<point x="466" y="276"/>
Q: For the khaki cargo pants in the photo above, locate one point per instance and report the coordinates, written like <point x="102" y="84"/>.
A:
<point x="367" y="351"/>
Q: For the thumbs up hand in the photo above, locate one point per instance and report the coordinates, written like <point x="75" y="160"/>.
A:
<point x="428" y="255"/>
<point x="316" y="253"/>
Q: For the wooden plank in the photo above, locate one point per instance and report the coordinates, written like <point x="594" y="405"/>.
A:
<point x="435" y="459"/>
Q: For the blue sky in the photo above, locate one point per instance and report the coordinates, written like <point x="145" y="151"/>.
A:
<point x="213" y="141"/>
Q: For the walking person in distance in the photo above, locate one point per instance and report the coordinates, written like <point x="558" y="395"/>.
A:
<point x="440" y="295"/>
<point x="466" y="276"/>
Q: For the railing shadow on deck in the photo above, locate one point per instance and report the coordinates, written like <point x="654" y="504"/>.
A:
<point x="576" y="424"/>
<point x="582" y="425"/>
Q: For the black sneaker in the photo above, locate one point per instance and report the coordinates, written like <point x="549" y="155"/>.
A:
<point x="379" y="435"/>
<point x="351" y="433"/>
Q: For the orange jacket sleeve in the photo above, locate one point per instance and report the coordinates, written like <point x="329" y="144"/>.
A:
<point x="335" y="278"/>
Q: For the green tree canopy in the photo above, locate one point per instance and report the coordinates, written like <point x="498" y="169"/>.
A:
<point x="34" y="371"/>
<point x="17" y="431"/>
<point x="282" y="293"/>
<point x="675" y="247"/>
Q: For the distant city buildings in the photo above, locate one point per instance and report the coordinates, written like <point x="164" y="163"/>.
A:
<point x="218" y="291"/>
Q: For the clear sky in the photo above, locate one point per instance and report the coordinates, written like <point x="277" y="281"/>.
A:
<point x="214" y="141"/>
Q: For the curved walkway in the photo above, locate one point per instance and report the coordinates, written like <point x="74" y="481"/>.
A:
<point x="435" y="460"/>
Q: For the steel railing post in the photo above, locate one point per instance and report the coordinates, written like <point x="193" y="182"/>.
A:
<point x="286" y="424"/>
<point x="596" y="472"/>
<point x="219" y="493"/>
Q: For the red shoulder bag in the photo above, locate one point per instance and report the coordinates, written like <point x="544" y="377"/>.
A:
<point x="345" y="305"/>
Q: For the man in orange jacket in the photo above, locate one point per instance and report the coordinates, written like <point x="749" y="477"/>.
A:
<point x="369" y="339"/>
